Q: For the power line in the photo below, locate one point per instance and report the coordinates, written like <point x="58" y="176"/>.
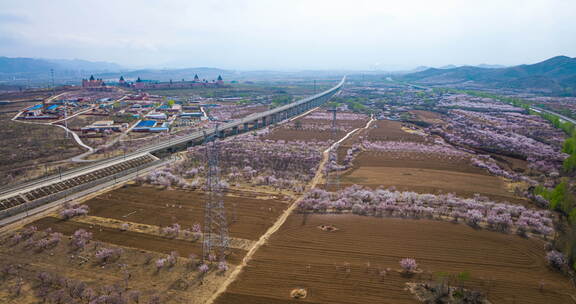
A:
<point x="216" y="241"/>
<point x="333" y="180"/>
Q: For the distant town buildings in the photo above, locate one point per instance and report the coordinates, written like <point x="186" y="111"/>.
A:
<point x="98" y="84"/>
<point x="92" y="83"/>
<point x="196" y="83"/>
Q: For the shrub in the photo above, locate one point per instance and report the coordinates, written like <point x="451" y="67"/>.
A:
<point x="172" y="231"/>
<point x="555" y="259"/>
<point x="223" y="266"/>
<point x="473" y="217"/>
<point x="49" y="242"/>
<point x="203" y="268"/>
<point x="80" y="238"/>
<point x="105" y="255"/>
<point x="408" y="265"/>
<point x="72" y="211"/>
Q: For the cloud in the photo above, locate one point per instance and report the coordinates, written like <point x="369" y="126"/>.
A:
<point x="296" y="34"/>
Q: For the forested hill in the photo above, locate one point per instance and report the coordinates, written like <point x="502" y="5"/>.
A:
<point x="556" y="75"/>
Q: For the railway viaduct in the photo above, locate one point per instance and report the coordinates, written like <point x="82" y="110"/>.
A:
<point x="17" y="201"/>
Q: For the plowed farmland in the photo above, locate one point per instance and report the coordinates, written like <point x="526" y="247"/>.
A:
<point x="508" y="268"/>
<point x="425" y="174"/>
<point x="131" y="239"/>
<point x="421" y="172"/>
<point x="314" y="129"/>
<point x="303" y="135"/>
<point x="132" y="218"/>
<point x="387" y="130"/>
<point x="249" y="213"/>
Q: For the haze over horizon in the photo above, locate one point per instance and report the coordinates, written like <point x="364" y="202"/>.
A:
<point x="290" y="35"/>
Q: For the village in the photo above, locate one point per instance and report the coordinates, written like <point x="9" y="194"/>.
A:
<point x="99" y="113"/>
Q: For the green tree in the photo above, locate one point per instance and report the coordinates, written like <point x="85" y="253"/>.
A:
<point x="569" y="164"/>
<point x="561" y="199"/>
<point x="570" y="145"/>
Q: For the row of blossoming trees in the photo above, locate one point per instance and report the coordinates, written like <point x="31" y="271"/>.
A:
<point x="477" y="211"/>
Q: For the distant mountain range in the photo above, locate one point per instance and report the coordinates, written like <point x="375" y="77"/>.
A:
<point x="33" y="65"/>
<point x="556" y="75"/>
<point x="37" y="72"/>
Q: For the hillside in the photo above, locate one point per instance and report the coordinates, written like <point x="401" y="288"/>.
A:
<point x="556" y="75"/>
<point x="20" y="66"/>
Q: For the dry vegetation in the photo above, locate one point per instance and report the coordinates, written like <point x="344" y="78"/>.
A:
<point x="26" y="145"/>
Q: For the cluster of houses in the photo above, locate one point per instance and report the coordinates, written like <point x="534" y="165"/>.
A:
<point x="159" y="119"/>
<point x="104" y="126"/>
<point x="54" y="110"/>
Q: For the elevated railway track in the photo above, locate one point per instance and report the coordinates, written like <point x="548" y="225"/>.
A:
<point x="22" y="197"/>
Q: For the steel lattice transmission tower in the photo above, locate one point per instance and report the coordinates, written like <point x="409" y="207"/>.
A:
<point x="215" y="237"/>
<point x="333" y="180"/>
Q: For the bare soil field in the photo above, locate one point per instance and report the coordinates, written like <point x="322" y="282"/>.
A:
<point x="428" y="116"/>
<point x="140" y="241"/>
<point x="340" y="123"/>
<point x="415" y="160"/>
<point x="506" y="267"/>
<point x="424" y="173"/>
<point x="301" y="129"/>
<point x="27" y="146"/>
<point x="245" y="111"/>
<point x="178" y="284"/>
<point x="304" y="135"/>
<point x="28" y="94"/>
<point x="145" y="210"/>
<point x="249" y="214"/>
<point x="419" y="172"/>
<point x="80" y="121"/>
<point x="387" y="130"/>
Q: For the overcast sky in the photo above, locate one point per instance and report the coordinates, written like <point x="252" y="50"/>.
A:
<point x="290" y="34"/>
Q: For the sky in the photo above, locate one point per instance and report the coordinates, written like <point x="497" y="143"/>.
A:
<point x="290" y="34"/>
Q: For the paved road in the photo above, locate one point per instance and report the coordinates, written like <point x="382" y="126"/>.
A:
<point x="565" y="118"/>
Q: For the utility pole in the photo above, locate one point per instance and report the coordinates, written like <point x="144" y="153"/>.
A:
<point x="52" y="74"/>
<point x="66" y="118"/>
<point x="314" y="86"/>
<point x="215" y="237"/>
<point x="333" y="156"/>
